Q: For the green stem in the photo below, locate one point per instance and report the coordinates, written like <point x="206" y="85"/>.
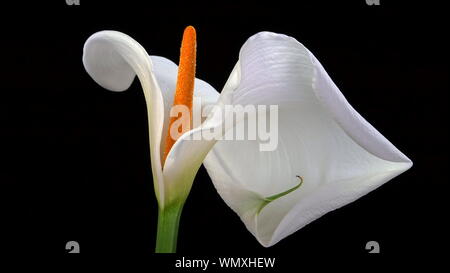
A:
<point x="167" y="231"/>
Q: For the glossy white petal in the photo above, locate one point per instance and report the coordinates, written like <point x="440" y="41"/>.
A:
<point x="113" y="59"/>
<point x="340" y="156"/>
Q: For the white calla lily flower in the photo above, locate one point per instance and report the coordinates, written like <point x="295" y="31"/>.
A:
<point x="327" y="154"/>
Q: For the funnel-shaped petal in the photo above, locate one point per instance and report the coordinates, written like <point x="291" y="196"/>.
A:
<point x="322" y="139"/>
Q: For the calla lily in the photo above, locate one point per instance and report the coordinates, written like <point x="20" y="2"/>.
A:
<point x="328" y="155"/>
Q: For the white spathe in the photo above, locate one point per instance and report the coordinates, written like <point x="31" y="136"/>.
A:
<point x="339" y="155"/>
<point x="113" y="59"/>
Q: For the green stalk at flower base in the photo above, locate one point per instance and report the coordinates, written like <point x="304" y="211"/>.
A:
<point x="167" y="231"/>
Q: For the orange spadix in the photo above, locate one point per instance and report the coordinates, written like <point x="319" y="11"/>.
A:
<point x="184" y="92"/>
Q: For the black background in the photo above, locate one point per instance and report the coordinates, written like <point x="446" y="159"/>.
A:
<point x="75" y="159"/>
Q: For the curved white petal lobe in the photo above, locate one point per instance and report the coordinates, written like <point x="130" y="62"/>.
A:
<point x="340" y="156"/>
<point x="112" y="59"/>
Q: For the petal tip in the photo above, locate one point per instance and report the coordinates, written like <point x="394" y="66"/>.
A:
<point x="103" y="59"/>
